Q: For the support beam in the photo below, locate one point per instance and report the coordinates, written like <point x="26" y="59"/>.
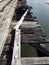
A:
<point x="16" y="51"/>
<point x="21" y="20"/>
<point x="16" y="59"/>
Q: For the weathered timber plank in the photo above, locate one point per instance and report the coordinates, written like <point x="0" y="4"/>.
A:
<point x="31" y="38"/>
<point x="34" y="60"/>
<point x="6" y="11"/>
<point x="31" y="32"/>
<point x="3" y="4"/>
<point x="16" y="52"/>
<point x="6" y="24"/>
<point x="29" y="24"/>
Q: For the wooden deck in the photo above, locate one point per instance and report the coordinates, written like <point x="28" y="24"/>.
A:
<point x="7" y="8"/>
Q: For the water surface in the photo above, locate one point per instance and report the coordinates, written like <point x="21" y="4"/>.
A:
<point x="41" y="11"/>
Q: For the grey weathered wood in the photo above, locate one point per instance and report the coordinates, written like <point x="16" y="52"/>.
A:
<point x="16" y="51"/>
<point x="5" y="20"/>
<point x="31" y="32"/>
<point x="30" y="24"/>
<point x="34" y="60"/>
<point x="6" y="11"/>
<point x="4" y="3"/>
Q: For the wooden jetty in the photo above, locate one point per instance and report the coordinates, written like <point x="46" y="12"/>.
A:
<point x="16" y="31"/>
<point x="7" y="9"/>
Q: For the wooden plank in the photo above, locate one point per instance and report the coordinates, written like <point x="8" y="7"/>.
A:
<point x="31" y="32"/>
<point x="6" y="23"/>
<point x="34" y="60"/>
<point x="4" y="3"/>
<point x="16" y="51"/>
<point x="30" y="24"/>
<point x="6" y="11"/>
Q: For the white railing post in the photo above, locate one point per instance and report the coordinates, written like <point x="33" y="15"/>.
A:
<point x="16" y="59"/>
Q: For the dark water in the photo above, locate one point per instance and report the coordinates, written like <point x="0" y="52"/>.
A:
<point x="41" y="11"/>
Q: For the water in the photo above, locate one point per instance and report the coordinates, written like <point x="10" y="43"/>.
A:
<point x="28" y="51"/>
<point x="41" y="11"/>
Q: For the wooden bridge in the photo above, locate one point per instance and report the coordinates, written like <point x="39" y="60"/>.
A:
<point x="14" y="32"/>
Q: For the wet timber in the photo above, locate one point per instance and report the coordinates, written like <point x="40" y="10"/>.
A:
<point x="31" y="32"/>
